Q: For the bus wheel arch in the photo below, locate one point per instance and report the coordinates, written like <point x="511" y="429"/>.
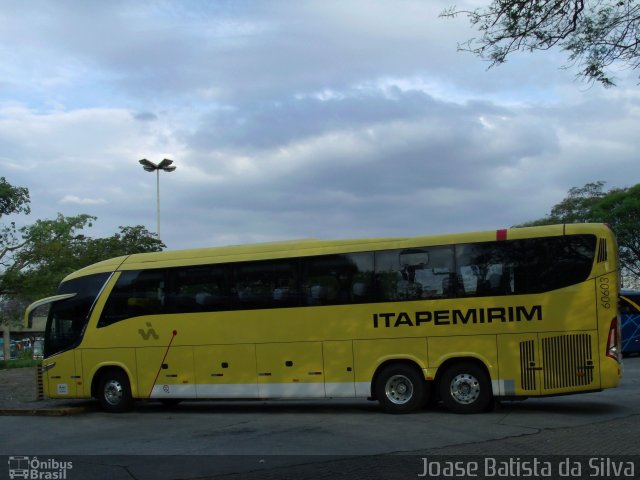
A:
<point x="464" y="385"/>
<point x="399" y="386"/>
<point x="112" y="387"/>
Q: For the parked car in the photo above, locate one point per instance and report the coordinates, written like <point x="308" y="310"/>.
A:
<point x="38" y="347"/>
<point x="629" y="305"/>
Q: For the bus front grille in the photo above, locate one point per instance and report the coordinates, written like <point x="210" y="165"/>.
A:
<point x="567" y="361"/>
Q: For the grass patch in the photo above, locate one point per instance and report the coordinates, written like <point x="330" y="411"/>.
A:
<point x="23" y="361"/>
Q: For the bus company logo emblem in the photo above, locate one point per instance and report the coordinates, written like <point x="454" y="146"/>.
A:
<point x="33" y="468"/>
<point x="150" y="332"/>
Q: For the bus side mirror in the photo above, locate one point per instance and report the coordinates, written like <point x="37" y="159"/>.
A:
<point x="27" y="320"/>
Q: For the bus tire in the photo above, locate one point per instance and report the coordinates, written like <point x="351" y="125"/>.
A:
<point x="114" y="392"/>
<point x="465" y="388"/>
<point x="400" y="388"/>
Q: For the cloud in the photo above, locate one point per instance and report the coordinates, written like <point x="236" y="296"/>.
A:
<point x="293" y="120"/>
<point x="72" y="199"/>
<point x="145" y="116"/>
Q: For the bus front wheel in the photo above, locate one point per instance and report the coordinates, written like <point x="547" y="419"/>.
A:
<point x="465" y="388"/>
<point x="400" y="388"/>
<point x="115" y="392"/>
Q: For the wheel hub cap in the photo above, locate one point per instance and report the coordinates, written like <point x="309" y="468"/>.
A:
<point x="113" y="392"/>
<point x="399" y="389"/>
<point x="465" y="388"/>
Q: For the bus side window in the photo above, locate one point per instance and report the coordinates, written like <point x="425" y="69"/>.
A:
<point x="337" y="279"/>
<point x="136" y="293"/>
<point x="266" y="284"/>
<point x="198" y="289"/>
<point x="482" y="270"/>
<point x="524" y="266"/>
<point x="415" y="273"/>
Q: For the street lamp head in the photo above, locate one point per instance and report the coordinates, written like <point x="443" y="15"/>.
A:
<point x="147" y="165"/>
<point x="152" y="167"/>
<point x="165" y="163"/>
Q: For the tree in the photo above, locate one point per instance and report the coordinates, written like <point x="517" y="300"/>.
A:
<point x="596" y="34"/>
<point x="127" y="241"/>
<point x="57" y="247"/>
<point x="12" y="200"/>
<point x="35" y="258"/>
<point x="619" y="208"/>
<point x="576" y="208"/>
<point x="50" y="249"/>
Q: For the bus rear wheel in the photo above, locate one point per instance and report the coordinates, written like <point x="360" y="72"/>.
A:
<point x="115" y="392"/>
<point x="400" y="389"/>
<point x="465" y="388"/>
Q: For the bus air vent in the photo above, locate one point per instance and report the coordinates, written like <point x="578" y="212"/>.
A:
<point x="527" y="362"/>
<point x="602" y="250"/>
<point x="568" y="361"/>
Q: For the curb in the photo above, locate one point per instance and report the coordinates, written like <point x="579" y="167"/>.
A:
<point x="47" y="412"/>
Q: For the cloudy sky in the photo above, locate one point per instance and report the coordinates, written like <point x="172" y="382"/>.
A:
<point x="294" y="119"/>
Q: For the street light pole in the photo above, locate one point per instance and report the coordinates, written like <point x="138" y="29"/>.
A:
<point x="164" y="165"/>
<point x="158" y="199"/>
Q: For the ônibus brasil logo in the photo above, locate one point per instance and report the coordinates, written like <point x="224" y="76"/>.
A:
<point x="36" y="469"/>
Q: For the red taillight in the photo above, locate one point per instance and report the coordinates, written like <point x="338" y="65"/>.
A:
<point x="613" y="342"/>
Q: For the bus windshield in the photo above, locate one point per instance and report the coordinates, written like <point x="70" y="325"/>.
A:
<point x="68" y="318"/>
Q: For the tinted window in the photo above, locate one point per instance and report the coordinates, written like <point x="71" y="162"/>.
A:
<point x="268" y="284"/>
<point x="136" y="293"/>
<point x="198" y="289"/>
<point x="524" y="266"/>
<point x="415" y="273"/>
<point x="338" y="279"/>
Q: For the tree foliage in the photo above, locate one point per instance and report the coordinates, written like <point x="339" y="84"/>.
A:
<point x="619" y="208"/>
<point x="35" y="258"/>
<point x="596" y="34"/>
<point x="577" y="207"/>
<point x="12" y="200"/>
<point x="55" y="248"/>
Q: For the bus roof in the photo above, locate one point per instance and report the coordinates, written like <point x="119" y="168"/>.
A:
<point x="309" y="247"/>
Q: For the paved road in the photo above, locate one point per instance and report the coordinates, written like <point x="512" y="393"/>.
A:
<point x="332" y="439"/>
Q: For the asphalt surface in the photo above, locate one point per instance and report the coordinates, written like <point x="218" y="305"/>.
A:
<point x="598" y="428"/>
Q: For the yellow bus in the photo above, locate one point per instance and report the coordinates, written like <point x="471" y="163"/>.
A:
<point x="462" y="319"/>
